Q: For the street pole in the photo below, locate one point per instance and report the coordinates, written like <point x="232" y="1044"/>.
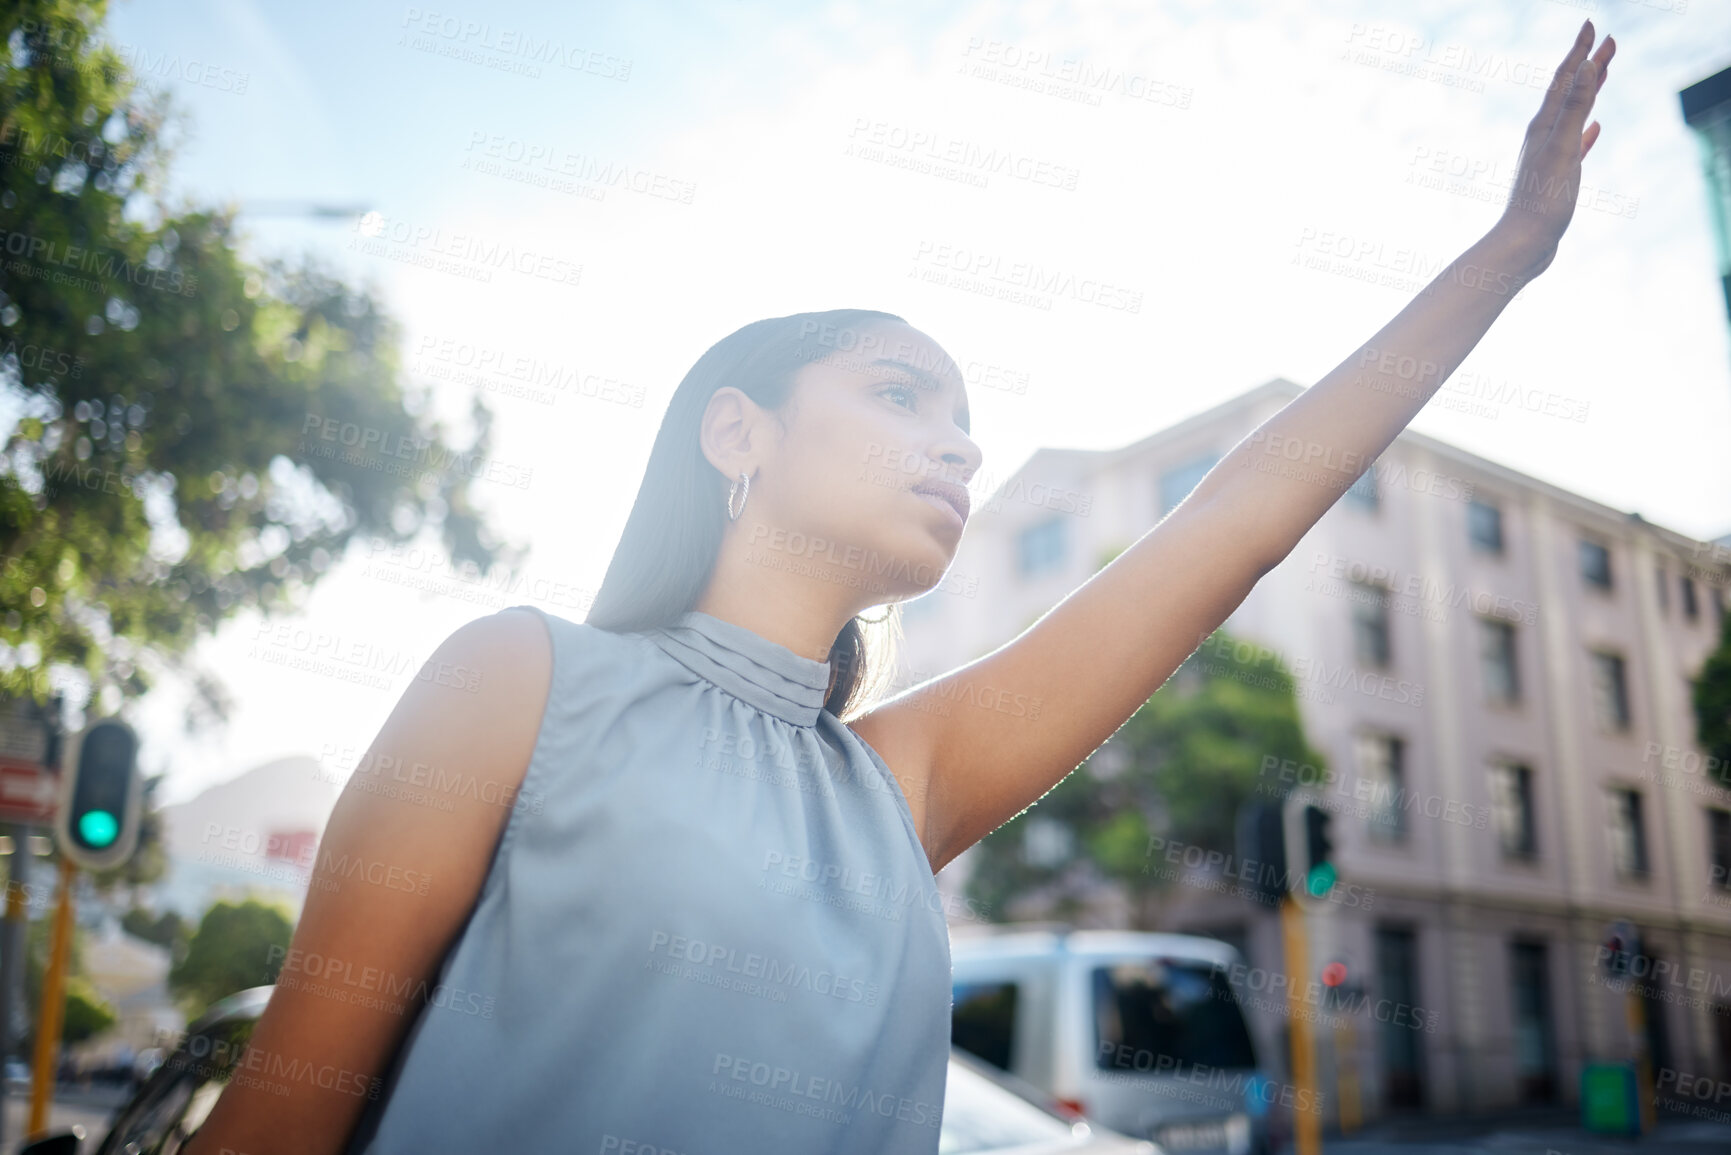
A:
<point x="53" y="1005"/>
<point x="14" y="933"/>
<point x="1643" y="1061"/>
<point x="1346" y="1066"/>
<point x="1307" y="1124"/>
<point x="12" y="946"/>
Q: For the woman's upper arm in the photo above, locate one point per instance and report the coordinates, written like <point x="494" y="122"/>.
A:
<point x="366" y="908"/>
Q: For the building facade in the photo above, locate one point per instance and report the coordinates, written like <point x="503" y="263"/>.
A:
<point x="1498" y="675"/>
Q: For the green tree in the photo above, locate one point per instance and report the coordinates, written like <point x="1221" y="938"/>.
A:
<point x="84" y="1012"/>
<point x="166" y="929"/>
<point x="164" y="402"/>
<point x="1178" y="769"/>
<point x="231" y="951"/>
<point x="1712" y="701"/>
<point x="87" y="1014"/>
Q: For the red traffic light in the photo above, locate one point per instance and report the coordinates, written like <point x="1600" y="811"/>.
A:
<point x="1334" y="974"/>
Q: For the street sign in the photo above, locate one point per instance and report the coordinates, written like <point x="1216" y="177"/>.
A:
<point x="23" y="735"/>
<point x="28" y="792"/>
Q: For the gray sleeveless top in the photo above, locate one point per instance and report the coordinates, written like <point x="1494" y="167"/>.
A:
<point x="708" y="927"/>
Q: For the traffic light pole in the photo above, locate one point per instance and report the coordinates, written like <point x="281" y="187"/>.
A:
<point x="1346" y="1074"/>
<point x="1307" y="1110"/>
<point x="1643" y="1061"/>
<point x="53" y="1005"/>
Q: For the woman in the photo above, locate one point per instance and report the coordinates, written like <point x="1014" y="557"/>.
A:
<point x="654" y="895"/>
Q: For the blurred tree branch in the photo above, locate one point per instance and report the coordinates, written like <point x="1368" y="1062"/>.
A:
<point x="185" y="434"/>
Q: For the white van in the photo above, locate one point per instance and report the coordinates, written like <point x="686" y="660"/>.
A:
<point x="1141" y="1032"/>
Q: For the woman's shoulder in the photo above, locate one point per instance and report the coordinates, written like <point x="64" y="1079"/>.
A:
<point x="566" y="641"/>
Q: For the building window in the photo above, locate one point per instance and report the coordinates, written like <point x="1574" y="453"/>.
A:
<point x="1610" y="691"/>
<point x="1664" y="589"/>
<point x="1398" y="1042"/>
<point x="1041" y="547"/>
<point x="1691" y="607"/>
<point x="1719" y="848"/>
<point x="1176" y="483"/>
<point x="1535" y="1045"/>
<point x="1370" y="624"/>
<point x="1497" y="658"/>
<point x="1596" y="565"/>
<point x="1628" y="834"/>
<point x="1512" y="798"/>
<point x="1382" y="785"/>
<point x="1485" y="526"/>
<point x="1363" y="491"/>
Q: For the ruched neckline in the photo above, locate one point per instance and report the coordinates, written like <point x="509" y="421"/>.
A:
<point x="749" y="666"/>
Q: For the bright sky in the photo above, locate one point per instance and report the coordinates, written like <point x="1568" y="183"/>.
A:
<point x="791" y="157"/>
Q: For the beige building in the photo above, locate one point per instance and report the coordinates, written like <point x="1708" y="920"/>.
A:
<point x="1497" y="672"/>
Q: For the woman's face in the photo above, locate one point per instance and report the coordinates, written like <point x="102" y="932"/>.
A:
<point x="869" y="481"/>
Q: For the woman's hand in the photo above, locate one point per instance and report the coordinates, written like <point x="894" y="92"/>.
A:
<point x="1548" y="175"/>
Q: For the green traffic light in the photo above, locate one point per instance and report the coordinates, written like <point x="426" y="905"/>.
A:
<point x="1321" y="879"/>
<point x="98" y="828"/>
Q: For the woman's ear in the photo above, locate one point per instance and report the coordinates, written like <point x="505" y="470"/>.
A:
<point x="728" y="433"/>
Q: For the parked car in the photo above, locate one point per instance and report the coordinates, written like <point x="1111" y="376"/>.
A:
<point x="985" y="1110"/>
<point x="988" y="1110"/>
<point x="1142" y="1032"/>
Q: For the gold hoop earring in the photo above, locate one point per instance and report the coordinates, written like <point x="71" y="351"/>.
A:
<point x="888" y="610"/>
<point x="733" y="514"/>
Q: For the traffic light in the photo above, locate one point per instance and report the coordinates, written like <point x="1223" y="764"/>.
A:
<point x="97" y="821"/>
<point x="1262" y="851"/>
<point x="1305" y="822"/>
<point x="1622" y="946"/>
<point x="1319" y="871"/>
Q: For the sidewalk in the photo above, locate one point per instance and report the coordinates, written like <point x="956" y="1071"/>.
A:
<point x="1542" y="1131"/>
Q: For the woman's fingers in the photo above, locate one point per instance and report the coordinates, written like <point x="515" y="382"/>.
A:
<point x="1560" y="82"/>
<point x="1587" y="139"/>
<point x="1589" y="78"/>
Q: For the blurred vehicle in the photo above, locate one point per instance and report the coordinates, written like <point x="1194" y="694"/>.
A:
<point x="1141" y="1032"/>
<point x="17" y="1075"/>
<point x="985" y="1111"/>
<point x="988" y="1110"/>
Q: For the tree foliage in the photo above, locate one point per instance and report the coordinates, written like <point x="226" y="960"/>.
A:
<point x="84" y="1012"/>
<point x="1712" y="701"/>
<point x="176" y="418"/>
<point x="1178" y="769"/>
<point x="231" y="951"/>
<point x="87" y="1013"/>
<point x="167" y="929"/>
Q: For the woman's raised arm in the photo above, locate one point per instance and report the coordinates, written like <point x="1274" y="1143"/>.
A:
<point x="1099" y="654"/>
<point x="394" y="880"/>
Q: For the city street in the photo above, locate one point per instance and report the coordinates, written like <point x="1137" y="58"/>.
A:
<point x="89" y="1109"/>
<point x="1549" y="1133"/>
<point x="853" y="579"/>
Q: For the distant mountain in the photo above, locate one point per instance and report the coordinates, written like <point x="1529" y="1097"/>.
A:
<point x="240" y="815"/>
